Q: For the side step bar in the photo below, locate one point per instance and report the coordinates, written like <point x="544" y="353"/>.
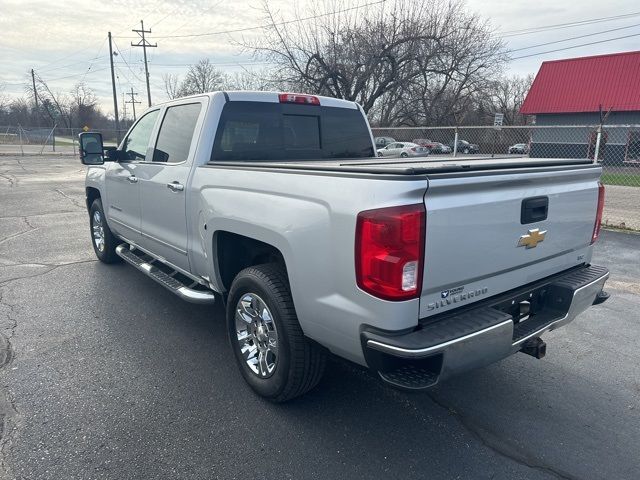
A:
<point x="170" y="283"/>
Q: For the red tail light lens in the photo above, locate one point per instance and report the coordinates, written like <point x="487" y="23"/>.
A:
<point x="298" y="98"/>
<point x="596" y="227"/>
<point x="389" y="251"/>
<point x="414" y="149"/>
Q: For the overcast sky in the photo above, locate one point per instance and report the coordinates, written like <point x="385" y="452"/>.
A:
<point x="65" y="42"/>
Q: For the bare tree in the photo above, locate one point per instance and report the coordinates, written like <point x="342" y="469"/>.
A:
<point x="83" y="105"/>
<point x="201" y="78"/>
<point x="171" y="85"/>
<point x="407" y="61"/>
<point x="250" y="80"/>
<point x="507" y="96"/>
<point x="56" y="105"/>
<point x="4" y="98"/>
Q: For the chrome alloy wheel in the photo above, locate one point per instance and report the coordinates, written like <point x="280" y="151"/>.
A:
<point x="98" y="231"/>
<point x="257" y="335"/>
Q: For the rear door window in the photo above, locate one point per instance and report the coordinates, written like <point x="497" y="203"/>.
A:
<point x="255" y="131"/>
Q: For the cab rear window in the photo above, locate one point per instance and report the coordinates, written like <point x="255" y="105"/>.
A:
<point x="260" y="131"/>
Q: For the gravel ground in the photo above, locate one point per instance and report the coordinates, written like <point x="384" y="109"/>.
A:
<point x="103" y="375"/>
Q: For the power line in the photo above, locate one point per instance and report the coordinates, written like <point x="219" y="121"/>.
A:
<point x="125" y="62"/>
<point x="277" y="24"/>
<point x="573" y="38"/>
<point x="78" y="74"/>
<point x="68" y="56"/>
<point x="189" y="21"/>
<point x="576" y="46"/>
<point x="227" y="64"/>
<point x="578" y="23"/>
<point x="168" y="15"/>
<point x="91" y="64"/>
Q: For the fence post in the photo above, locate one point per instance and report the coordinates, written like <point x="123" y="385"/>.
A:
<point x="598" y="137"/>
<point x="20" y="134"/>
<point x="73" y="142"/>
<point x="455" y="143"/>
<point x="51" y="133"/>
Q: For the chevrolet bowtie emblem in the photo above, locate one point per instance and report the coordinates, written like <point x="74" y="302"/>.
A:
<point x="532" y="239"/>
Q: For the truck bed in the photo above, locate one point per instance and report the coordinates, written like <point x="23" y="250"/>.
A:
<point x="430" y="165"/>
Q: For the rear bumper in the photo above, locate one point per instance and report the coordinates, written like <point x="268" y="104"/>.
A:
<point x="483" y="333"/>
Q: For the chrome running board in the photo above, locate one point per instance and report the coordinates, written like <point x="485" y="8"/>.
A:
<point x="167" y="280"/>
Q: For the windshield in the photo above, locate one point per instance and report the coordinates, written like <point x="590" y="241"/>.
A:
<point x="256" y="131"/>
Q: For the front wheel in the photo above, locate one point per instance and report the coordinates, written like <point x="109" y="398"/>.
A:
<point x="275" y="358"/>
<point x="103" y="240"/>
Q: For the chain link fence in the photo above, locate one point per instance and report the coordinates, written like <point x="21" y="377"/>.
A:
<point x="616" y="147"/>
<point x="21" y="140"/>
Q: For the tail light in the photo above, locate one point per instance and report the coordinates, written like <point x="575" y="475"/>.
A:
<point x="298" y="98"/>
<point x="414" y="149"/>
<point x="596" y="227"/>
<point x="389" y="251"/>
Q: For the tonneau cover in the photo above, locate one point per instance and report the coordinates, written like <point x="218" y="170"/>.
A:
<point x="424" y="166"/>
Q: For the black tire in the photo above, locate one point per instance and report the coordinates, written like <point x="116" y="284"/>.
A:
<point x="379" y="154"/>
<point x="404" y="155"/>
<point x="466" y="150"/>
<point x="108" y="252"/>
<point x="300" y="363"/>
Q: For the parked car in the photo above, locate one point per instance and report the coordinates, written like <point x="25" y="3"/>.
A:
<point x="521" y="148"/>
<point x="465" y="147"/>
<point x="314" y="246"/>
<point x="423" y="142"/>
<point x="434" y="147"/>
<point x="383" y="141"/>
<point x="403" y="149"/>
<point x="442" y="148"/>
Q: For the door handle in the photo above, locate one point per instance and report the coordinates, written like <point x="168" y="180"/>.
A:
<point x="132" y="179"/>
<point x="175" y="186"/>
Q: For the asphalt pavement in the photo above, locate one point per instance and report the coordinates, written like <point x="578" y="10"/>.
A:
<point x="105" y="375"/>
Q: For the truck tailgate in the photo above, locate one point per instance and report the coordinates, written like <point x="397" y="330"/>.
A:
<point x="482" y="241"/>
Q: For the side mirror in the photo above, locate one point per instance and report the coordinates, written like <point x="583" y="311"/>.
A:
<point x="91" y="148"/>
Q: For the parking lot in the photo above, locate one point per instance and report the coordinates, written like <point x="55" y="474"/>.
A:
<point x="103" y="374"/>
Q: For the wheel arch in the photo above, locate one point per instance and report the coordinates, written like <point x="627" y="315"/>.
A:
<point x="91" y="194"/>
<point x="233" y="252"/>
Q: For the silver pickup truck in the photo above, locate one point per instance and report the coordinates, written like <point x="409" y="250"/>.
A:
<point x="276" y="205"/>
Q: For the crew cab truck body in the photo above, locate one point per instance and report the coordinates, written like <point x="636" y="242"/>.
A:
<point x="275" y="204"/>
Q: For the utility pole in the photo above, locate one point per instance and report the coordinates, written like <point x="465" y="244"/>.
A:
<point x="124" y="108"/>
<point x="133" y="102"/>
<point x="144" y="44"/>
<point x="35" y="96"/>
<point x="113" y="86"/>
<point x="35" y="92"/>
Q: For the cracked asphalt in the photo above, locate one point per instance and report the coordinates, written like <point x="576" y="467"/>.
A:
<point x="104" y="375"/>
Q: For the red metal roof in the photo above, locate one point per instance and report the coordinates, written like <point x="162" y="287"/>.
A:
<point x="584" y="84"/>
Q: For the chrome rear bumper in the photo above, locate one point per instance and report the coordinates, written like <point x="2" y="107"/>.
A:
<point x="481" y="335"/>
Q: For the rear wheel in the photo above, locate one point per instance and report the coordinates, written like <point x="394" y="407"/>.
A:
<point x="103" y="240"/>
<point x="466" y="150"/>
<point x="275" y="358"/>
<point x="404" y="155"/>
